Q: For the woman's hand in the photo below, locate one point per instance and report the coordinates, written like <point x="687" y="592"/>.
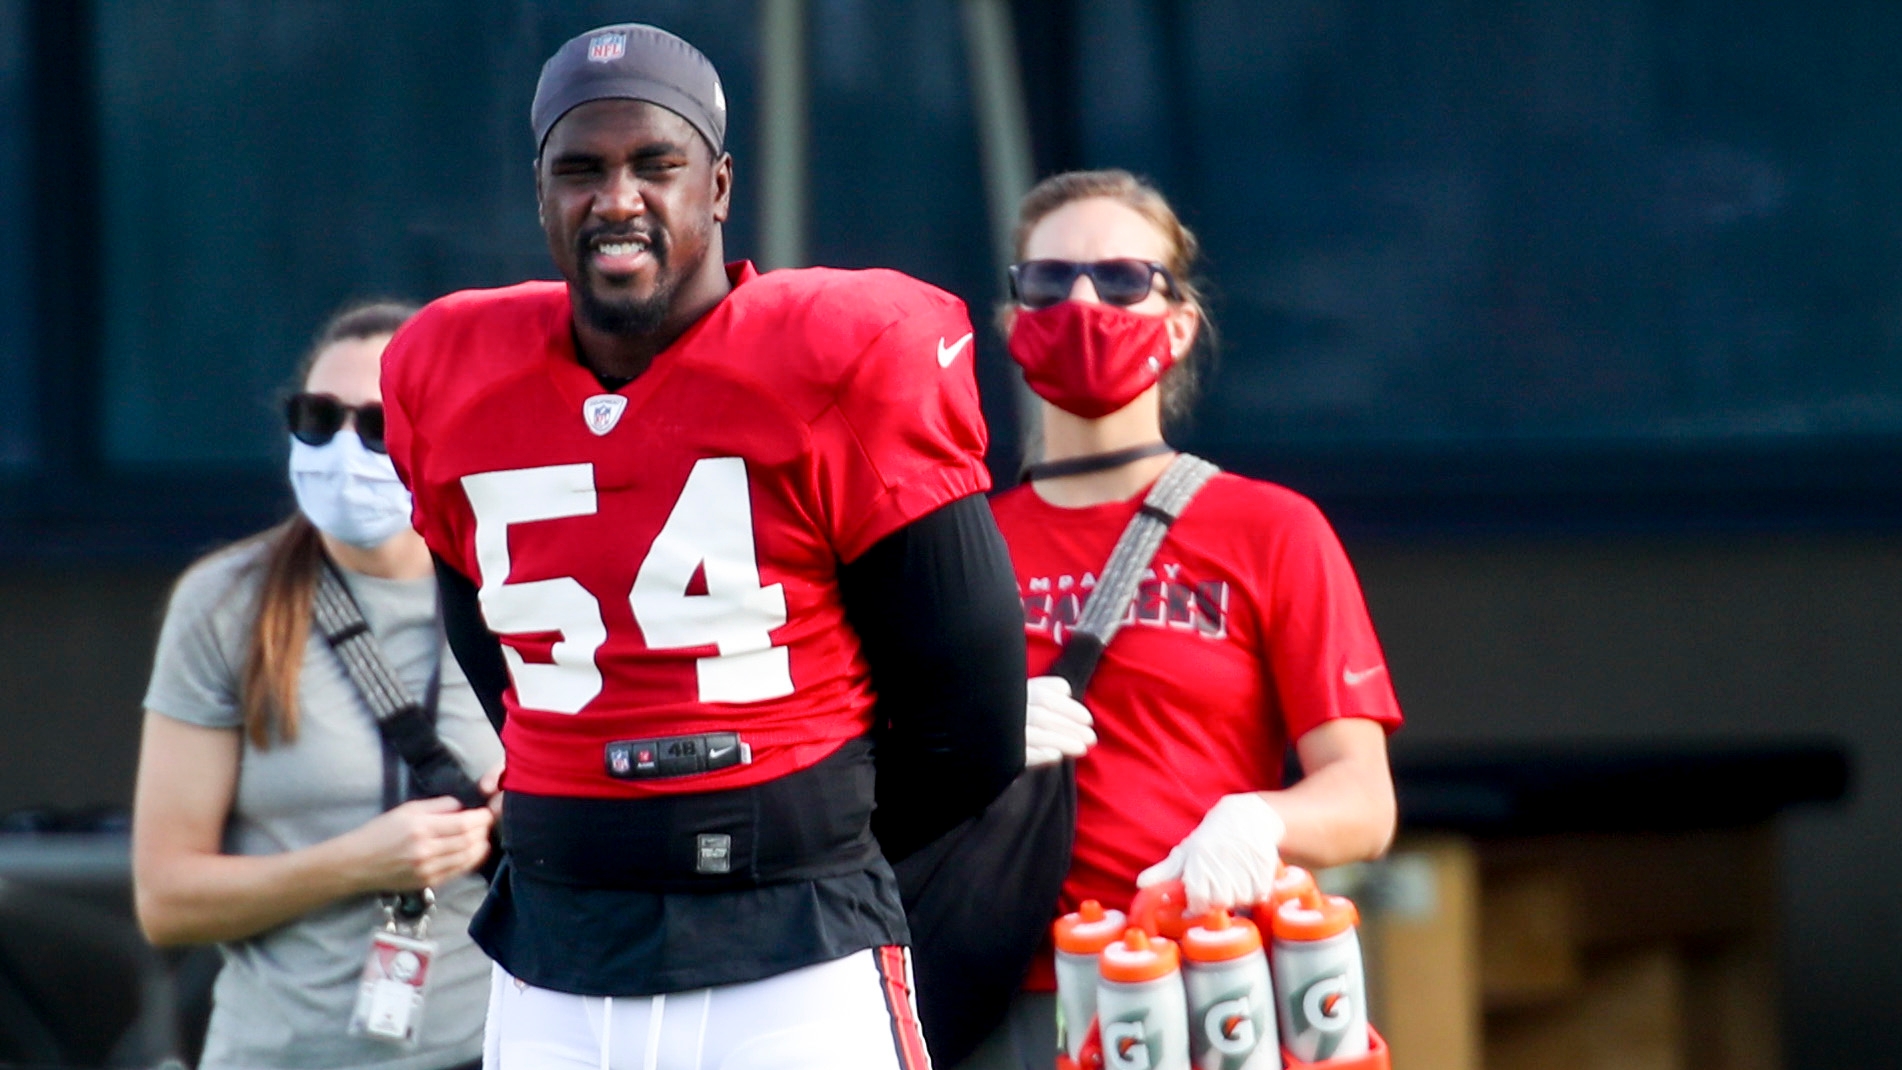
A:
<point x="1230" y="859"/>
<point x="420" y="844"/>
<point x="188" y="891"/>
<point x="1056" y="726"/>
<point x="1341" y="811"/>
<point x="491" y="786"/>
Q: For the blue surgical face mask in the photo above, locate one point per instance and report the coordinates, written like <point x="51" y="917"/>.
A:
<point x="349" y="492"/>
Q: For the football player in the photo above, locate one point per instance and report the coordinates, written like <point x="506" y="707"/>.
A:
<point x="720" y="528"/>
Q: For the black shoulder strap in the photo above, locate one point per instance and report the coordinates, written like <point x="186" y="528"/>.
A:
<point x="406" y="724"/>
<point x="970" y="952"/>
<point x="1108" y="605"/>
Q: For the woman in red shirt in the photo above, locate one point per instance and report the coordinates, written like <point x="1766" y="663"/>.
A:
<point x="1248" y="633"/>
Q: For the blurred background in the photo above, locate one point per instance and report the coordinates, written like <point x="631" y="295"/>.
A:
<point x="1582" y="320"/>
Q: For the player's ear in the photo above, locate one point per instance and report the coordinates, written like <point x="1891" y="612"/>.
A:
<point x="722" y="179"/>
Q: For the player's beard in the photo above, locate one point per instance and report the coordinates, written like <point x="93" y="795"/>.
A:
<point x="612" y="313"/>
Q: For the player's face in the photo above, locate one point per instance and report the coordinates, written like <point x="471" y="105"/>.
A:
<point x="1099" y="228"/>
<point x="630" y="196"/>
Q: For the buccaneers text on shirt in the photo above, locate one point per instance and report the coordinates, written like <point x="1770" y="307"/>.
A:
<point x="1163" y="600"/>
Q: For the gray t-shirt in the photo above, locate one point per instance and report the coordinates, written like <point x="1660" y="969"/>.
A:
<point x="284" y="997"/>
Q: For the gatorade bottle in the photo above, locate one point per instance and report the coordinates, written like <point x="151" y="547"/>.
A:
<point x="1162" y="910"/>
<point x="1081" y="937"/>
<point x="1140" y="1008"/>
<point x="1291" y="882"/>
<point x="1231" y="1008"/>
<point x="1320" y="991"/>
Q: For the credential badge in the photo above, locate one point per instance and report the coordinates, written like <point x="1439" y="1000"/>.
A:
<point x="603" y="411"/>
<point x="607" y="47"/>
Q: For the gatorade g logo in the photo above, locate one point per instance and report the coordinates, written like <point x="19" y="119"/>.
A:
<point x="1230" y="1026"/>
<point x="1324" y="1008"/>
<point x="1125" y="1047"/>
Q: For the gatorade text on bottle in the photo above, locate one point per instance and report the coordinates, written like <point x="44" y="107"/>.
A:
<point x="1081" y="937"/>
<point x="1320" y="991"/>
<point x="1231" y="1008"/>
<point x="1140" y="1007"/>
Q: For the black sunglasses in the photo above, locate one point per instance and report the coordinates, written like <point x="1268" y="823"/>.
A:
<point x="1042" y="283"/>
<point x="315" y="419"/>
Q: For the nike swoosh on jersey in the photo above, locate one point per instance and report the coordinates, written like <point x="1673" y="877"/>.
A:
<point x="947" y="354"/>
<point x="1355" y="679"/>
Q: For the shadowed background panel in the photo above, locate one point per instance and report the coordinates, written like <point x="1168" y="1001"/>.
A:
<point x="16" y="328"/>
<point x="1440" y="224"/>
<point x="263" y="163"/>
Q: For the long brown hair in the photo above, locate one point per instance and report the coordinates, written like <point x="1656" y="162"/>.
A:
<point x="291" y="556"/>
<point x="1181" y="382"/>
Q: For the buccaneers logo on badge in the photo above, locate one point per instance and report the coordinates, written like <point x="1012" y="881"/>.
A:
<point x="603" y="411"/>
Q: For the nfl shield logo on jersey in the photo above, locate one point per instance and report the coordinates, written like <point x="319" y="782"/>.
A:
<point x="603" y="411"/>
<point x="607" y="47"/>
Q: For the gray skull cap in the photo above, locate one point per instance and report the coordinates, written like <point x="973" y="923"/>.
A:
<point x="631" y="61"/>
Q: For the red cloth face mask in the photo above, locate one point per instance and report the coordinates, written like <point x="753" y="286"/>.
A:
<point x="1088" y="359"/>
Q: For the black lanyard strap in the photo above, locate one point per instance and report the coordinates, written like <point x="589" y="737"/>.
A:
<point x="408" y="727"/>
<point x="1095" y="462"/>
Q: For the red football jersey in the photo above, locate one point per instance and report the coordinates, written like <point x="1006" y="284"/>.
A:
<point x="661" y="559"/>
<point x="1248" y="630"/>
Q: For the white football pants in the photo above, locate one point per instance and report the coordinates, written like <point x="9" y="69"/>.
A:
<point x="854" y="1013"/>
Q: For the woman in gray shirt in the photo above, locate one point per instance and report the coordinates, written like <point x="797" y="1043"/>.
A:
<point x="259" y="820"/>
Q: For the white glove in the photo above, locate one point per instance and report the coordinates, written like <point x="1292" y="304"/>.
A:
<point x="1056" y="726"/>
<point x="1230" y="858"/>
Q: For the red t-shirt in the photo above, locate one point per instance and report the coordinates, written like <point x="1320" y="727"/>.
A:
<point x="662" y="559"/>
<point x="1248" y="631"/>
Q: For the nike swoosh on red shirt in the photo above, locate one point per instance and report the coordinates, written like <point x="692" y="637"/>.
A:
<point x="1355" y="679"/>
<point x="947" y="354"/>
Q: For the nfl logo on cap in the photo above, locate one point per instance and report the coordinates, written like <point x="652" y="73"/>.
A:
<point x="607" y="47"/>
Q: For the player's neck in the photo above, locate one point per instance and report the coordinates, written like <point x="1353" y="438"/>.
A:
<point x="1067" y="436"/>
<point x="402" y="557"/>
<point x="626" y="356"/>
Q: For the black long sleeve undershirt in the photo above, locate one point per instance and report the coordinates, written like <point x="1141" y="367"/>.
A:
<point x="937" y="611"/>
<point x="936" y="607"/>
<point x="476" y="648"/>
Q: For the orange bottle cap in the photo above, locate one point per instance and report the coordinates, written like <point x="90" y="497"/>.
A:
<point x="1315" y="917"/>
<point x="1291" y="882"/>
<point x="1089" y="929"/>
<point x="1159" y="910"/>
<point x="1138" y="957"/>
<point x="1220" y="937"/>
